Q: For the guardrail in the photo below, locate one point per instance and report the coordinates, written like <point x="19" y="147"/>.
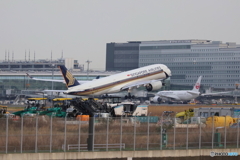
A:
<point x="96" y="146"/>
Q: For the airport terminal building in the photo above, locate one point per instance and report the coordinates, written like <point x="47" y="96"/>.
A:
<point x="39" y="65"/>
<point x="14" y="83"/>
<point x="218" y="62"/>
<point x="14" y="80"/>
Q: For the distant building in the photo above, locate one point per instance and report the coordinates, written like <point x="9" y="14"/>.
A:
<point x="12" y="83"/>
<point x="39" y="65"/>
<point x="122" y="56"/>
<point x="218" y="62"/>
<point x="13" y="76"/>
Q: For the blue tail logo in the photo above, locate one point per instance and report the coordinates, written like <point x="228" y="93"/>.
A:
<point x="68" y="77"/>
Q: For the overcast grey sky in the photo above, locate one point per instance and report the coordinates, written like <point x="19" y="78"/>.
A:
<point x="81" y="28"/>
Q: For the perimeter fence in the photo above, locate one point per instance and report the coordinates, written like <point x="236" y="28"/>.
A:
<point x="47" y="134"/>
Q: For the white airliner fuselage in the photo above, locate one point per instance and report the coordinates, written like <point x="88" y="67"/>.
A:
<point x="179" y="95"/>
<point x="182" y="95"/>
<point x="149" y="76"/>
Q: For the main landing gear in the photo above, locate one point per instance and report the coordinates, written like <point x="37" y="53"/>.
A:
<point x="129" y="96"/>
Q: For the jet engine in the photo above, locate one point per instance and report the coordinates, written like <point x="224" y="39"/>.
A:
<point x="157" y="99"/>
<point x="154" y="86"/>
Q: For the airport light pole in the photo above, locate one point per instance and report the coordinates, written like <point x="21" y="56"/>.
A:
<point x="52" y="76"/>
<point x="88" y="67"/>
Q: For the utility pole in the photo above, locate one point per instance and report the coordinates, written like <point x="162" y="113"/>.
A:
<point x="88" y="68"/>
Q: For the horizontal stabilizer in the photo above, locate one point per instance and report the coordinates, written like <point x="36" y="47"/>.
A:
<point x="48" y="80"/>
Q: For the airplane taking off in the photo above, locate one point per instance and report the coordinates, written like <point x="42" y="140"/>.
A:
<point x="182" y="95"/>
<point x="149" y="76"/>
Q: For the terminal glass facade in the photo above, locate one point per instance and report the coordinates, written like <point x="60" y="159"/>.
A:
<point x="218" y="62"/>
<point x="122" y="56"/>
<point x="13" y="84"/>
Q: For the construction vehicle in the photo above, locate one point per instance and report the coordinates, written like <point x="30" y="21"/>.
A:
<point x="35" y="106"/>
<point x="219" y="121"/>
<point x="185" y="114"/>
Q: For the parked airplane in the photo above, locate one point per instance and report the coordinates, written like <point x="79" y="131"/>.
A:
<point x="212" y="94"/>
<point x="149" y="76"/>
<point x="181" y="95"/>
<point x="57" y="94"/>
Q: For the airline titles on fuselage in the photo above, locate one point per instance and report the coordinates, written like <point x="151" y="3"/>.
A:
<point x="166" y="92"/>
<point x="142" y="72"/>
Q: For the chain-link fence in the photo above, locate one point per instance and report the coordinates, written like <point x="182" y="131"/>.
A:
<point x="47" y="134"/>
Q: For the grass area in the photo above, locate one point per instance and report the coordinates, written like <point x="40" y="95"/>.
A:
<point x="14" y="109"/>
<point x="156" y="110"/>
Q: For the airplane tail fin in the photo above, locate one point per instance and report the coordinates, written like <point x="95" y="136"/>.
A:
<point x="197" y="84"/>
<point x="68" y="77"/>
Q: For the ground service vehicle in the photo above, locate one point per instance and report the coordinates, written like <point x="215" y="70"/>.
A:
<point x="59" y="107"/>
<point x="3" y="110"/>
<point x="35" y="106"/>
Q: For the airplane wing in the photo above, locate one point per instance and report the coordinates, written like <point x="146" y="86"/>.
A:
<point x="138" y="84"/>
<point x="60" y="91"/>
<point x="51" y="80"/>
<point x="169" y="97"/>
<point x="193" y="93"/>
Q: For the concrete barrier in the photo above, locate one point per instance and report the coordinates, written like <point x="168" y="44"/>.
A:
<point x="115" y="154"/>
